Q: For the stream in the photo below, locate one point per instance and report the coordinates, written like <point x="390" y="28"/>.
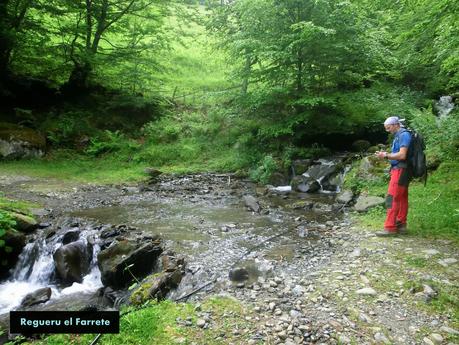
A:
<point x="201" y="217"/>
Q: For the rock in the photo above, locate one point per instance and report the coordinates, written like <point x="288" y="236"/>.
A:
<point x="24" y="223"/>
<point x="355" y="253"/>
<point x="429" y="292"/>
<point x="72" y="261"/>
<point x="282" y="335"/>
<point x="436" y="338"/>
<point x="126" y="259"/>
<point x="278" y="179"/>
<point x="39" y="296"/>
<point x="345" y="197"/>
<point x="431" y="252"/>
<point x="305" y="184"/>
<point x="381" y="338"/>
<point x="427" y="341"/>
<point x="152" y="172"/>
<point x="447" y="262"/>
<point x="251" y="202"/>
<point x="449" y="330"/>
<point x="366" y="202"/>
<point x="300" y="166"/>
<point x="201" y="323"/>
<point x="364" y="318"/>
<point x="367" y="291"/>
<point x="156" y="286"/>
<point x="239" y="274"/>
<point x="20" y="142"/>
<point x="344" y="340"/>
<point x="71" y="236"/>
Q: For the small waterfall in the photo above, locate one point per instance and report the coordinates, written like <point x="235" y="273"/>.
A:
<point x="444" y="106"/>
<point x="35" y="269"/>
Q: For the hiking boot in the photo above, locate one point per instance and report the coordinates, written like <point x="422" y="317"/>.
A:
<point x="386" y="233"/>
<point x="401" y="228"/>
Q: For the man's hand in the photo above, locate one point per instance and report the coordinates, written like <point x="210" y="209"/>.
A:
<point x="381" y="154"/>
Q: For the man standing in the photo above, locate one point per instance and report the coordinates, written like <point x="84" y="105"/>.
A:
<point x="397" y="193"/>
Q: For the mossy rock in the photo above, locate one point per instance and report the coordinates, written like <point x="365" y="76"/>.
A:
<point x="24" y="223"/>
<point x="10" y="132"/>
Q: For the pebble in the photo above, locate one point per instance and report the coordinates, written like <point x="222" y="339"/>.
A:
<point x="431" y="252"/>
<point x="367" y="291"/>
<point x="449" y="330"/>
<point x="364" y="318"/>
<point x="381" y="338"/>
<point x="427" y="341"/>
<point x="447" y="262"/>
<point x="201" y="323"/>
<point x="365" y="280"/>
<point x="436" y="338"/>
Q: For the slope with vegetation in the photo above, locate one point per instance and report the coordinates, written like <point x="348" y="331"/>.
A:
<point x="246" y="85"/>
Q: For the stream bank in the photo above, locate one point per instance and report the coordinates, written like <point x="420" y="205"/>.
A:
<point x="303" y="264"/>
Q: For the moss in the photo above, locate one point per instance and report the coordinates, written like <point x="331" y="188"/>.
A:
<point x="12" y="132"/>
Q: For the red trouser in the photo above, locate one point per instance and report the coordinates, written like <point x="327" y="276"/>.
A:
<point x="396" y="202"/>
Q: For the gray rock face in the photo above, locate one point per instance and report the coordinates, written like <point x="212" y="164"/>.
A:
<point x="71" y="236"/>
<point x="72" y="261"/>
<point x="300" y="166"/>
<point x="252" y="203"/>
<point x="20" y="142"/>
<point x="305" y="184"/>
<point x="126" y="259"/>
<point x="39" y="296"/>
<point x="366" y="202"/>
<point x="345" y="197"/>
<point x="278" y="179"/>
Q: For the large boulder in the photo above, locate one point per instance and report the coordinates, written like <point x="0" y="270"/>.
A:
<point x="300" y="166"/>
<point x="127" y="260"/>
<point x="72" y="261"/>
<point x="20" y="142"/>
<point x="39" y="296"/>
<point x="305" y="184"/>
<point x="365" y="202"/>
<point x="345" y="197"/>
<point x="24" y="223"/>
<point x="251" y="202"/>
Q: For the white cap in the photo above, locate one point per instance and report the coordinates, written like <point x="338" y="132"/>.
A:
<point x="394" y="120"/>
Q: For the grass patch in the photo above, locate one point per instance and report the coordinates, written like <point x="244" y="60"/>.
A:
<point x="416" y="262"/>
<point x="163" y="324"/>
<point x="78" y="169"/>
<point x="16" y="206"/>
<point x="434" y="208"/>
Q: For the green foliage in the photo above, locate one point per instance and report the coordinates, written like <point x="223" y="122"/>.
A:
<point x="111" y="142"/>
<point x="64" y="130"/>
<point x="265" y="170"/>
<point x="441" y="135"/>
<point x="7" y="222"/>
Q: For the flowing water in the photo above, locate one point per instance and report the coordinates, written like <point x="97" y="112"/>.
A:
<point x="35" y="270"/>
<point x="210" y="226"/>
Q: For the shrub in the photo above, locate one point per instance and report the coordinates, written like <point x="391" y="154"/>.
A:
<point x="109" y="142"/>
<point x="441" y="135"/>
<point x="265" y="170"/>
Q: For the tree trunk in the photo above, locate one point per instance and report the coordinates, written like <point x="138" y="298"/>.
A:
<point x="245" y="81"/>
<point x="79" y="79"/>
<point x="5" y="40"/>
